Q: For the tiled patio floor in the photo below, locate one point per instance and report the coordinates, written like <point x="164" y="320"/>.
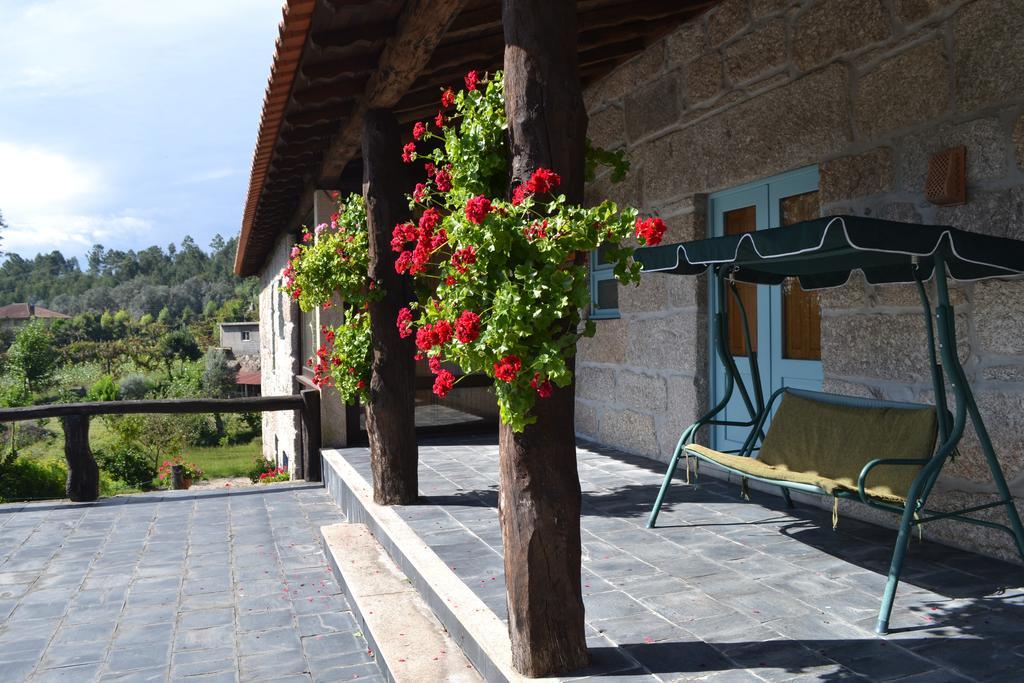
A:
<point x="732" y="590"/>
<point x="219" y="585"/>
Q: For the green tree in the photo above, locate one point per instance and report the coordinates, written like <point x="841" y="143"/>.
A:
<point x="32" y="356"/>
<point x="164" y="318"/>
<point x="178" y="345"/>
<point x="219" y="381"/>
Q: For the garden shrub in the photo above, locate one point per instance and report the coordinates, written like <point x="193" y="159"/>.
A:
<point x="103" y="390"/>
<point x="260" y="467"/>
<point x="134" y="387"/>
<point x="126" y="463"/>
<point x="23" y="479"/>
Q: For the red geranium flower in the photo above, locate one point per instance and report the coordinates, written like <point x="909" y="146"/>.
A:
<point x="467" y="327"/>
<point x="471" y="79"/>
<point x="447" y="98"/>
<point x="419" y="192"/>
<point x="518" y="194"/>
<point x="443" y="383"/>
<point x="418" y="130"/>
<point x="428" y="221"/>
<point x="543" y="180"/>
<point x="507" y="368"/>
<point x="463" y="257"/>
<point x="404" y="323"/>
<point x="477" y="209"/>
<point x="424" y="338"/>
<point x="544" y="389"/>
<point x="408" y="151"/>
<point x="439" y="119"/>
<point x="442" y="332"/>
<point x="651" y="230"/>
<point x="443" y="179"/>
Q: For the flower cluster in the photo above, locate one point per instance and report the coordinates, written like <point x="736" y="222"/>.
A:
<point x="274" y="475"/>
<point x="502" y="274"/>
<point x="329" y="267"/>
<point x="188" y="469"/>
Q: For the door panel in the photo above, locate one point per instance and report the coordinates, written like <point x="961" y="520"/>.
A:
<point x="785" y="322"/>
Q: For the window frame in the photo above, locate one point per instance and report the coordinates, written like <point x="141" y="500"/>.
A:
<point x="600" y="272"/>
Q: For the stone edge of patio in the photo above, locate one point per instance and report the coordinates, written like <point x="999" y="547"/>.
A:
<point x="409" y="643"/>
<point x="478" y="631"/>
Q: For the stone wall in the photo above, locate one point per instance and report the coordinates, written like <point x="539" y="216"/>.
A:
<point x="868" y="90"/>
<point x="279" y="358"/>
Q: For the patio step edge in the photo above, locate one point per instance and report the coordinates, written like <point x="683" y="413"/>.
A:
<point x="409" y="643"/>
<point x="478" y="631"/>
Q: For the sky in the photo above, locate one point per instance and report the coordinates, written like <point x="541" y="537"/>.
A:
<point x="128" y="123"/>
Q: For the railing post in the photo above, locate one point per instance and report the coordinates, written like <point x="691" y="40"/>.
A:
<point x="311" y="439"/>
<point x="83" y="483"/>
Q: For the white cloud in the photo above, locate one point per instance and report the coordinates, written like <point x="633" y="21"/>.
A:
<point x="49" y="202"/>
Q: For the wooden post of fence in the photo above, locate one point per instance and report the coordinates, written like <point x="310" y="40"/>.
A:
<point x="83" y="483"/>
<point x="311" y="434"/>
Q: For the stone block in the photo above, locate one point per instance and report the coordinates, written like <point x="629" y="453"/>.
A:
<point x="686" y="43"/>
<point x="1003" y="413"/>
<point x="853" y="177"/>
<point x="608" y="345"/>
<point x="904" y="90"/>
<point x="1004" y="373"/>
<point x="899" y="211"/>
<point x="686" y="400"/>
<point x="890" y="347"/>
<point x="998" y="213"/>
<point x="586" y="420"/>
<point x="985" y="140"/>
<point x="607" y="128"/>
<point x="727" y="19"/>
<point x="646" y="393"/>
<point x="649" y="295"/>
<point x="668" y="343"/>
<point x="999" y="316"/>
<point x="685" y="291"/>
<point x="831" y="385"/>
<point x="624" y="193"/>
<point x="835" y="27"/>
<point x="913" y="11"/>
<point x="757" y="52"/>
<point x="781" y="129"/>
<point x="653" y="106"/>
<point x="623" y="80"/>
<point x="629" y="431"/>
<point x="763" y="8"/>
<point x="1018" y="140"/>
<point x="989" y="61"/>
<point x="596" y="384"/>
<point x="703" y="78"/>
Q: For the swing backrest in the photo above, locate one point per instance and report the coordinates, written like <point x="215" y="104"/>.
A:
<point x="835" y="436"/>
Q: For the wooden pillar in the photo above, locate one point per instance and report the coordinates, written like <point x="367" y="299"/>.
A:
<point x="539" y="501"/>
<point x="390" y="421"/>
<point x="83" y="483"/>
<point x="311" y="434"/>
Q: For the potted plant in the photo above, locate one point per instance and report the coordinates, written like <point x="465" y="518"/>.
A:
<point x="178" y="473"/>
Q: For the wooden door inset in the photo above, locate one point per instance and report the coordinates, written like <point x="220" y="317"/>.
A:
<point x="801" y="310"/>
<point x="736" y="222"/>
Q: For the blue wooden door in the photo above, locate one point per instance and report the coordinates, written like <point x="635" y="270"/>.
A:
<point x="784" y="321"/>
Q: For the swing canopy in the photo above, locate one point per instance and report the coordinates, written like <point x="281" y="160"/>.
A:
<point x="824" y="251"/>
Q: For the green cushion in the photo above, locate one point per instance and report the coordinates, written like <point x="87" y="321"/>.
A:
<point x="827" y="445"/>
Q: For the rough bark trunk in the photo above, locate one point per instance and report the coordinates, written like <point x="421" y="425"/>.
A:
<point x="540" y="490"/>
<point x="389" y="414"/>
<point x="83" y="484"/>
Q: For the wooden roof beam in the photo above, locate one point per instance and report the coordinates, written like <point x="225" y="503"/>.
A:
<point x="420" y="28"/>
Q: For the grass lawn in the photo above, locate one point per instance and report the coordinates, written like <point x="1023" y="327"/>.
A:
<point x="225" y="461"/>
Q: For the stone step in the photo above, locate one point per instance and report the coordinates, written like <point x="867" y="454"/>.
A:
<point x="409" y="643"/>
<point x="481" y="634"/>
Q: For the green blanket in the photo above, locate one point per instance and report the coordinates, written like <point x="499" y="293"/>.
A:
<point x="827" y="445"/>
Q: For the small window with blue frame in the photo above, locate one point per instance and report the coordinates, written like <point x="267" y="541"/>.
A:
<point x="604" y="288"/>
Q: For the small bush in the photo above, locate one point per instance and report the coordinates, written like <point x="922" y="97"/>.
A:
<point x="261" y="466"/>
<point x="103" y="390"/>
<point x="128" y="464"/>
<point x="275" y="475"/>
<point x="33" y="479"/>
<point x="134" y="387"/>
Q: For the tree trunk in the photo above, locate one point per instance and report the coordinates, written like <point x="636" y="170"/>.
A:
<point x="83" y="483"/>
<point x="390" y="420"/>
<point x="539" y="501"/>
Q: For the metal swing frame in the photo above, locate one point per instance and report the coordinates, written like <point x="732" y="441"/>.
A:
<point x="945" y="365"/>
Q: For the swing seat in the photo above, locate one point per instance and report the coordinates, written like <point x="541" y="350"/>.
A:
<point x="836" y="445"/>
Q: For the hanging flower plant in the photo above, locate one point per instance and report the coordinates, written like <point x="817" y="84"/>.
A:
<point x="330" y="265"/>
<point x="502" y="280"/>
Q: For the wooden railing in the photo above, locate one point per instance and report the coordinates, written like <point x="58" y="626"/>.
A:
<point x="83" y="474"/>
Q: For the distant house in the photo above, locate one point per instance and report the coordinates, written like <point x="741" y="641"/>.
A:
<point x="15" y="315"/>
<point x="242" y="338"/>
<point x="248" y="382"/>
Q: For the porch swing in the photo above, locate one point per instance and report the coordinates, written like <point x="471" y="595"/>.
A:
<point x="885" y="454"/>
